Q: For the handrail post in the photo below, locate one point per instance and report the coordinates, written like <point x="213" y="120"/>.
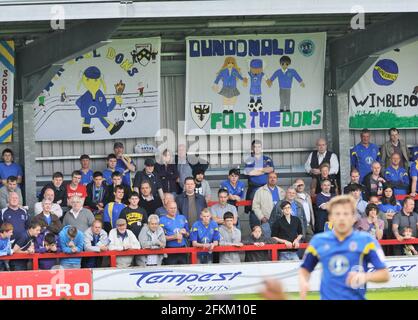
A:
<point x="194" y="257"/>
<point x="112" y="260"/>
<point x="274" y="255"/>
<point x="35" y="262"/>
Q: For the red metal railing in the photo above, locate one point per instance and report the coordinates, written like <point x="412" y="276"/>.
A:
<point x="189" y="250"/>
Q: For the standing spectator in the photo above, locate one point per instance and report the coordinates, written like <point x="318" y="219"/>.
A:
<point x="355" y="192"/>
<point x="75" y="188"/>
<point x="110" y="189"/>
<point x="78" y="217"/>
<point x="147" y="200"/>
<point x="111" y="162"/>
<point x="229" y="236"/>
<point x="124" y="164"/>
<point x="374" y="181"/>
<point x="395" y="145"/>
<point x="149" y="175"/>
<point x="414" y="153"/>
<point x="257" y="167"/>
<point x="162" y="211"/>
<point x="168" y="173"/>
<point x="113" y="209"/>
<point x="371" y="223"/>
<point x="322" y="200"/>
<point x="183" y="166"/>
<point x="60" y="191"/>
<point x="407" y="218"/>
<point x="96" y="192"/>
<point x="176" y="230"/>
<point x="288" y="230"/>
<point x="234" y="186"/>
<point x="354" y="179"/>
<point x="6" y="232"/>
<point x="219" y="209"/>
<point x="364" y="154"/>
<point x="52" y="222"/>
<point x="9" y="168"/>
<point x="122" y="239"/>
<point x="306" y="201"/>
<point x="190" y="203"/>
<point x="414" y="179"/>
<point x="265" y="198"/>
<point x="47" y="242"/>
<point x="71" y="241"/>
<point x="324" y="175"/>
<point x="205" y="234"/>
<point x="25" y="243"/>
<point x="95" y="240"/>
<point x="151" y="237"/>
<point x="202" y="185"/>
<point x="55" y="207"/>
<point x="397" y="175"/>
<point x="135" y="216"/>
<point x="15" y="215"/>
<point x="258" y="239"/>
<point x="10" y="186"/>
<point x="86" y="172"/>
<point x="322" y="155"/>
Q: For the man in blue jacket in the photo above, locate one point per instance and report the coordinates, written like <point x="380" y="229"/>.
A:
<point x="71" y="241"/>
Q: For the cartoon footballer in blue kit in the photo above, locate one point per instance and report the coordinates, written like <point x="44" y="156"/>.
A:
<point x="256" y="75"/>
<point x="93" y="102"/>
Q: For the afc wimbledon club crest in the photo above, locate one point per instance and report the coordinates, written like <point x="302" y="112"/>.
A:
<point x="201" y="113"/>
<point x="143" y="54"/>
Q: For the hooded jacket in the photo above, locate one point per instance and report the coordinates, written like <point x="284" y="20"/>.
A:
<point x="64" y="239"/>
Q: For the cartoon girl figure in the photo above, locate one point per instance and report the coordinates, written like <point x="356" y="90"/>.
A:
<point x="229" y="74"/>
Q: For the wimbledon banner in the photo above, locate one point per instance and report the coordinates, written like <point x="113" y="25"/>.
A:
<point x="7" y="71"/>
<point x="238" y="84"/>
<point x="386" y="96"/>
<point x="111" y="92"/>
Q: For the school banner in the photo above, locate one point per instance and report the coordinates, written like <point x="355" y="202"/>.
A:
<point x="111" y="92"/>
<point x="7" y="71"/>
<point x="237" y="84"/>
<point x="386" y="96"/>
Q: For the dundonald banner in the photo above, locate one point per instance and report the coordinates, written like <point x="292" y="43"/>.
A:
<point x="386" y="96"/>
<point x="242" y="83"/>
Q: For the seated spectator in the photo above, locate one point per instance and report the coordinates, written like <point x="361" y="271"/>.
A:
<point x="355" y="191"/>
<point x="371" y="223"/>
<point x="397" y="175"/>
<point x="47" y="242"/>
<point x="355" y="179"/>
<point x="95" y="240"/>
<point x="25" y="243"/>
<point x="149" y="175"/>
<point x="75" y="188"/>
<point x="71" y="241"/>
<point x="95" y="195"/>
<point x="135" y="216"/>
<point x="395" y="145"/>
<point x="86" y="172"/>
<point x="389" y="205"/>
<point x="414" y="178"/>
<point x="6" y="232"/>
<point x="147" y="200"/>
<point x="60" y="191"/>
<point x="15" y="215"/>
<point x="110" y="189"/>
<point x="229" y="236"/>
<point x="375" y="200"/>
<point x="306" y="201"/>
<point x="322" y="155"/>
<point x="124" y="164"/>
<point x="219" y="209"/>
<point x="374" y="181"/>
<point x="168" y="173"/>
<point x="190" y="203"/>
<point x="113" y="209"/>
<point x="52" y="222"/>
<point x="10" y="186"/>
<point x="409" y="249"/>
<point x="405" y="218"/>
<point x="111" y="162"/>
<point x="265" y="198"/>
<point x="176" y="230"/>
<point x="202" y="186"/>
<point x="205" y="234"/>
<point x="258" y="239"/>
<point x="324" y="175"/>
<point x="288" y="230"/>
<point x="10" y="168"/>
<point x="78" y="217"/>
<point x="162" y="211"/>
<point x="55" y="207"/>
<point x="322" y="200"/>
<point x="122" y="239"/>
<point x="235" y="187"/>
<point x="151" y="237"/>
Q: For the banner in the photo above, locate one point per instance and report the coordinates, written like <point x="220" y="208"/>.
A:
<point x="237" y="84"/>
<point x="386" y="96"/>
<point x="57" y="284"/>
<point x="7" y="71"/>
<point x="110" y="93"/>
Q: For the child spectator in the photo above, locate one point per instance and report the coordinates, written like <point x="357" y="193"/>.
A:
<point x="229" y="236"/>
<point x="111" y="162"/>
<point x="371" y="223"/>
<point x="6" y="232"/>
<point x="151" y="237"/>
<point x="110" y="189"/>
<point x="47" y="242"/>
<point x="135" y="216"/>
<point x="9" y="168"/>
<point x="86" y="172"/>
<point x="96" y="194"/>
<point x="75" y="188"/>
<point x="409" y="249"/>
<point x="71" y="241"/>
<point x="258" y="239"/>
<point x="234" y="186"/>
<point x="113" y="209"/>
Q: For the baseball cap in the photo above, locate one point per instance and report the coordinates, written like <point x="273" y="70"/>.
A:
<point x="118" y="145"/>
<point x="92" y="72"/>
<point x="149" y="162"/>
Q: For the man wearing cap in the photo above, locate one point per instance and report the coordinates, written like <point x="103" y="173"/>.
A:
<point x="93" y="102"/>
<point x="124" y="164"/>
<point x="148" y="174"/>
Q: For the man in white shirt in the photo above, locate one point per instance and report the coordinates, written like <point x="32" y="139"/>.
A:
<point x="320" y="156"/>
